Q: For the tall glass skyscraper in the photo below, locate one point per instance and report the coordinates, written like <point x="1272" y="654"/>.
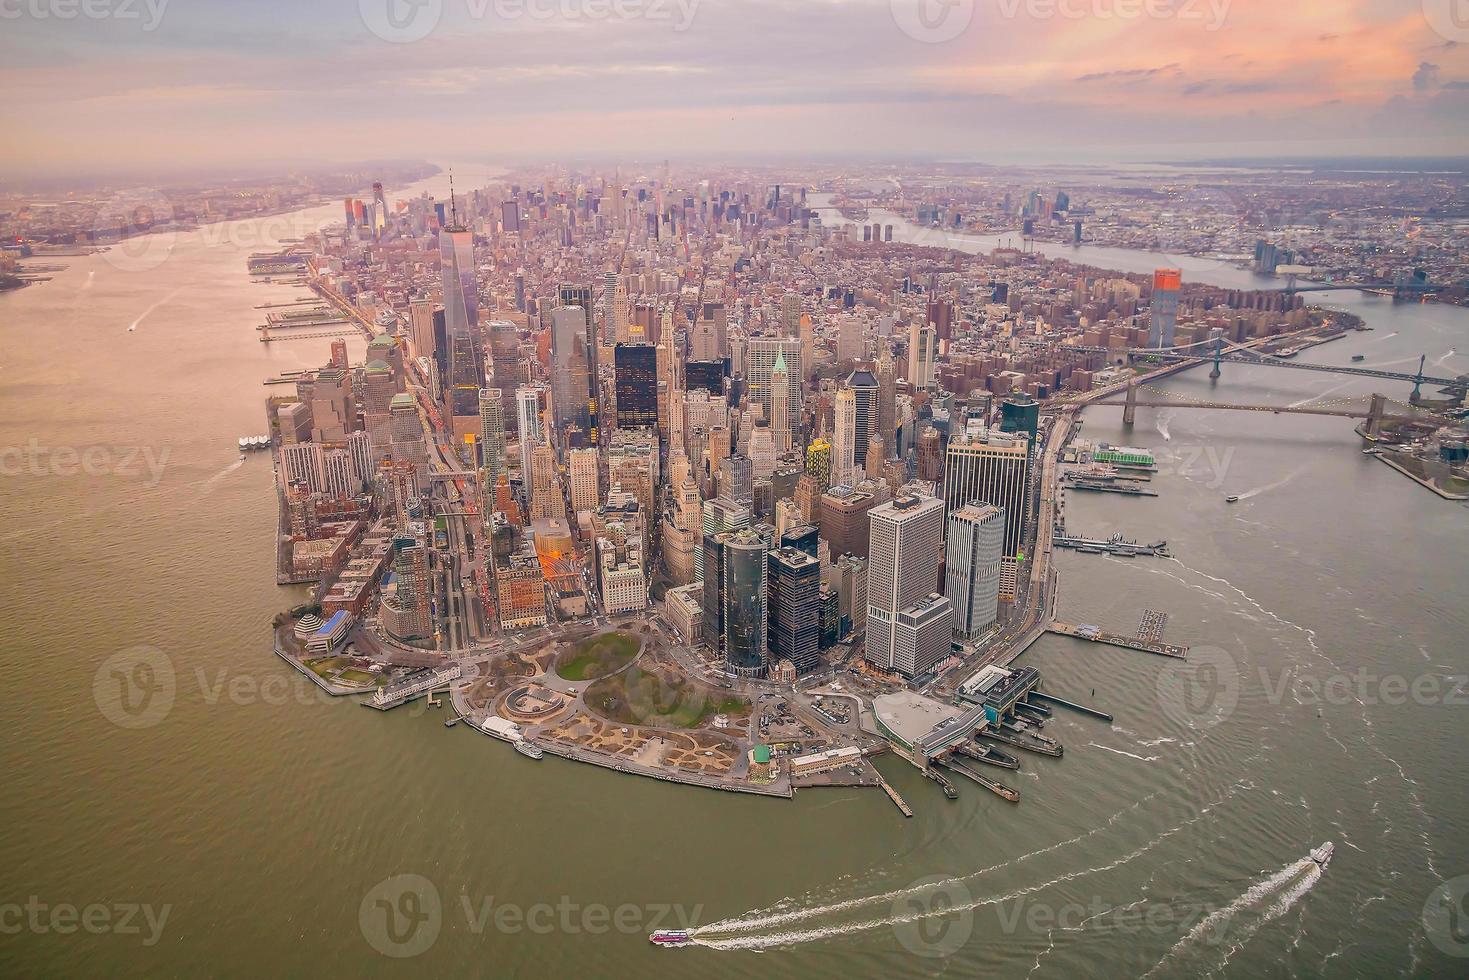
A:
<point x="570" y="378"/>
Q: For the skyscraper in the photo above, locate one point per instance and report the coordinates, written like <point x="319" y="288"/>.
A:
<point x="636" y="385"/>
<point x="570" y="294"/>
<point x="972" y="567"/>
<point x="584" y="491"/>
<point x="903" y="611"/>
<point x="745" y="612"/>
<point x="546" y="499"/>
<point x="528" y="425"/>
<point x="737" y="479"/>
<point x="761" y="356"/>
<point x="461" y="321"/>
<point x="865" y="389"/>
<point x="922" y="354"/>
<point x="793" y="581"/>
<point x="1167" y="283"/>
<point x="780" y="417"/>
<point x="570" y="378"/>
<point x="844" y="439"/>
<point x="492" y="434"/>
<point x="991" y="468"/>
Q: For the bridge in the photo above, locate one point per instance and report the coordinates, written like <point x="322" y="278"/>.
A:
<point x="1398" y="289"/>
<point x="1242" y="355"/>
<point x="1374" y="408"/>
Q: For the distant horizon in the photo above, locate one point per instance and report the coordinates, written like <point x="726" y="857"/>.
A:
<point x="1447" y="164"/>
<point x="160" y="88"/>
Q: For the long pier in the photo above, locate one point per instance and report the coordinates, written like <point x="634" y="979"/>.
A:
<point x="1041" y="748"/>
<point x="1104" y="716"/>
<point x="893" y="795"/>
<point x="1112" y="639"/>
<point x="993" y="785"/>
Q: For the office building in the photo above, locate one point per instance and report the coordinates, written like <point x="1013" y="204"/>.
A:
<point x="1163" y="318"/>
<point x="585" y="494"/>
<point x="636" y="385"/>
<point x="902" y="576"/>
<point x="976" y="535"/>
<point x="570" y="379"/>
<point x="793" y="581"/>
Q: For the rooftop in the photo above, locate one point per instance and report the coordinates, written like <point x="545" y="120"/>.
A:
<point x="910" y="715"/>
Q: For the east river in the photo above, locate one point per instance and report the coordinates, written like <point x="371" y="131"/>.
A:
<point x="262" y="828"/>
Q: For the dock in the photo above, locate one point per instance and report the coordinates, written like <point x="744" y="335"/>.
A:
<point x="1096" y="635"/>
<point x="1048" y="747"/>
<point x="993" y="785"/>
<point x="897" y="800"/>
<point x="1093" y="712"/>
<point x="989" y="755"/>
<point x="1106" y="486"/>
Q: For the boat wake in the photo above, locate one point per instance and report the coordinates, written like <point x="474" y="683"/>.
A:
<point x="1273" y="486"/>
<point x="1227" y="930"/>
<point x="144" y="315"/>
<point x="762" y="930"/>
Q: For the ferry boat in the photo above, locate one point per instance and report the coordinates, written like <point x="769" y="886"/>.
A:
<point x="529" y="749"/>
<point x="1232" y="499"/>
<point x="1322" y="855"/>
<point x="669" y="937"/>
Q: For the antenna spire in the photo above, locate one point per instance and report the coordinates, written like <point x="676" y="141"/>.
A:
<point x="453" y="208"/>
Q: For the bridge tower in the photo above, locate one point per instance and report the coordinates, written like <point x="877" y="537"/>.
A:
<point x="1418" y="381"/>
<point x="1218" y="353"/>
<point x="1129" y="410"/>
<point x="1374" y="415"/>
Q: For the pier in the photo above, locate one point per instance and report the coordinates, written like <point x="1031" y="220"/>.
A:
<point x="1072" y="705"/>
<point x="1048" y="747"/>
<point x="988" y="754"/>
<point x="897" y="800"/>
<point x="1096" y="635"/>
<point x="993" y="785"/>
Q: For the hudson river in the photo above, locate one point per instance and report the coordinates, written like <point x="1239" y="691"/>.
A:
<point x="256" y="822"/>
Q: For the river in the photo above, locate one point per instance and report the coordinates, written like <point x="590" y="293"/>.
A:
<point x="270" y="823"/>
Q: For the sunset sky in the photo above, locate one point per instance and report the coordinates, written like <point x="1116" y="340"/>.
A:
<point x="209" y="83"/>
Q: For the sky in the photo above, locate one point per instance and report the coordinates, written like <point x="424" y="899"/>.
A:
<point x="157" y="86"/>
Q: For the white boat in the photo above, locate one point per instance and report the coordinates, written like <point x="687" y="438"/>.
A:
<point x="529" y="749"/>
<point x="1321" y="855"/>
